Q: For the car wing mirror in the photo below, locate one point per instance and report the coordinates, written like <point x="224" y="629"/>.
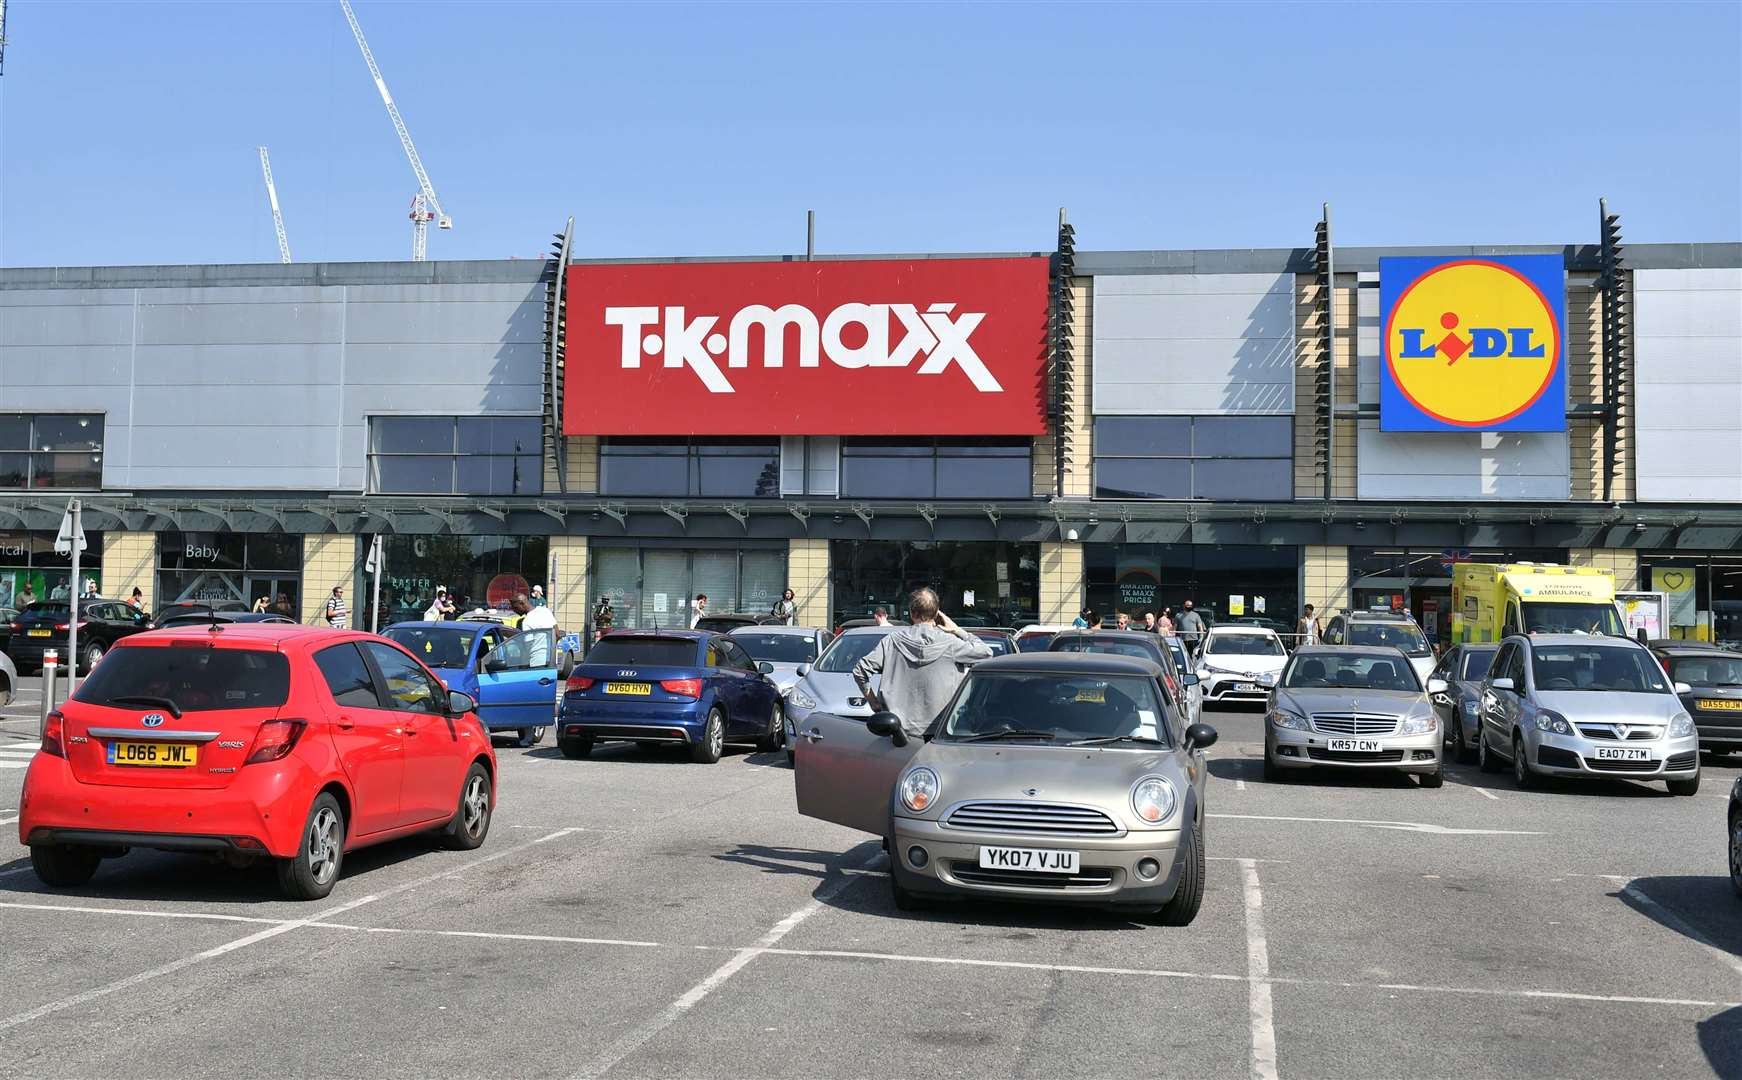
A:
<point x="1502" y="683"/>
<point x="1190" y="679"/>
<point x="495" y="663"/>
<point x="1437" y="686"/>
<point x="765" y="667"/>
<point x="1683" y="688"/>
<point x="887" y="725"/>
<point x="803" y="670"/>
<point x="460" y="703"/>
<point x="1200" y="736"/>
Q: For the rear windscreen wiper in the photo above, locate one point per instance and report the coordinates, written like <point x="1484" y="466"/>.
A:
<point x="1008" y="733"/>
<point x="147" y="699"/>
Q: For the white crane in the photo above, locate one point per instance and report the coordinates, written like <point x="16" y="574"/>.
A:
<point x="424" y="206"/>
<point x="272" y="197"/>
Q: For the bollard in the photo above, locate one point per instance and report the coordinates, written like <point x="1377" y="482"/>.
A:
<point x="50" y="667"/>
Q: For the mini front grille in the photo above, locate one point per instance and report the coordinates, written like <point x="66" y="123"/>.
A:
<point x="1608" y="732"/>
<point x="1685" y="760"/>
<point x="1318" y="753"/>
<point x="1088" y="877"/>
<point x="1038" y="818"/>
<point x="1609" y="765"/>
<point x="1354" y="723"/>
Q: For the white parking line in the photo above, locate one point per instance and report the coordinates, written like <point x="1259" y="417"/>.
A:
<point x="1258" y="1002"/>
<point x="8" y="820"/>
<point x="633" y="1041"/>
<point x="268" y="933"/>
<point x="207" y="916"/>
<point x="1485" y="791"/>
<point x="1401" y="826"/>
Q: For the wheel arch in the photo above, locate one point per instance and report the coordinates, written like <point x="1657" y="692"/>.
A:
<point x="342" y="794"/>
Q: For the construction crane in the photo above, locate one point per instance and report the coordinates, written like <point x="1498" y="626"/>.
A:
<point x="425" y="207"/>
<point x="272" y="197"/>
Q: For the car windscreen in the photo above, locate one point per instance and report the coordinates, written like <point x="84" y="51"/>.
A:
<point x="1475" y="664"/>
<point x="196" y="678"/>
<point x="1603" y="668"/>
<point x="1061" y="708"/>
<point x="436" y="646"/>
<point x="1035" y="642"/>
<point x="1707" y="670"/>
<point x="628" y="650"/>
<point x="778" y="648"/>
<point x="847" y="650"/>
<point x="1405" y="636"/>
<point x="1112" y="646"/>
<point x="45" y="610"/>
<point x="1351" y="671"/>
<point x="1243" y="645"/>
<point x="1546" y="617"/>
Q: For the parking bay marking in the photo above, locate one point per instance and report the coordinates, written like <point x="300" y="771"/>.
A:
<point x="1485" y="791"/>
<point x="1258" y="998"/>
<point x="1400" y="826"/>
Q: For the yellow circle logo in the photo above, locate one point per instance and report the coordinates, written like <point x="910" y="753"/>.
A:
<point x="1472" y="343"/>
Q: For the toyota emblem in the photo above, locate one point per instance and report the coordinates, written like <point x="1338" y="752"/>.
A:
<point x="154" y="719"/>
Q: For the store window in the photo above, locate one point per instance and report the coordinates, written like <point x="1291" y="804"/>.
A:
<point x="654" y="586"/>
<point x="478" y="571"/>
<point x="230" y="570"/>
<point x="725" y="467"/>
<point x="31" y="569"/>
<point x="979" y="583"/>
<point x="1254" y="583"/>
<point x="1703" y="591"/>
<point x="456" y="455"/>
<point x="810" y="465"/>
<point x="51" y="450"/>
<point x="1419" y="580"/>
<point x="953" y="468"/>
<point x="1244" y="458"/>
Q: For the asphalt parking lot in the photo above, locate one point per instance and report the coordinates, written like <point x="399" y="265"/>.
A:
<point x="634" y="915"/>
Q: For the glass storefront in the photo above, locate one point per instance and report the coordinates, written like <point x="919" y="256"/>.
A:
<point x="1419" y="580"/>
<point x="979" y="583"/>
<point x="230" y="570"/>
<point x="31" y="570"/>
<point x="1704" y="593"/>
<point x="1254" y="582"/>
<point x="479" y="571"/>
<point x="654" y="586"/>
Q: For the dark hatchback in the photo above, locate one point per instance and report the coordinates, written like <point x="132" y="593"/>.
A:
<point x="43" y="625"/>
<point x="690" y="687"/>
<point x="1714" y="698"/>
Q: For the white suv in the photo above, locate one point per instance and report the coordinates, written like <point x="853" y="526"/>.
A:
<point x="1240" y="663"/>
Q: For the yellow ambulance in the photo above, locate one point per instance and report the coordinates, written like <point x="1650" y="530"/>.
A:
<point x="1493" y="600"/>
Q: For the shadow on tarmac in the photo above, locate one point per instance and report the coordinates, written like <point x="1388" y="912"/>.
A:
<point x="1708" y="906"/>
<point x="664" y="754"/>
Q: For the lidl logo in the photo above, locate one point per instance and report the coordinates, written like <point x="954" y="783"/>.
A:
<point x="1473" y="344"/>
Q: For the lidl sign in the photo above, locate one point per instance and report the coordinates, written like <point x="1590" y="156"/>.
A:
<point x="1473" y="344"/>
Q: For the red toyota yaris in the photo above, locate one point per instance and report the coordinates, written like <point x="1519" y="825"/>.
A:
<point x="255" y="740"/>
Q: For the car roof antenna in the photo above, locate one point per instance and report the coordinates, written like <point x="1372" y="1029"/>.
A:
<point x="216" y="627"/>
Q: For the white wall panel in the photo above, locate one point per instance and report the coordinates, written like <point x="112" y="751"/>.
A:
<point x="1687" y="349"/>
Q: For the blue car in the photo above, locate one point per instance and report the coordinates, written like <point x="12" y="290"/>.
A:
<point x="693" y="687"/>
<point x="513" y="676"/>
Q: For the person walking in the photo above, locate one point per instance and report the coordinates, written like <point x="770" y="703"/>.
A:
<point x="1311" y="632"/>
<point x="1164" y="625"/>
<point x="337" y="614"/>
<point x="921" y="663"/>
<point x="533" y="619"/>
<point x="786" y="609"/>
<point x="698" y="609"/>
<point x="1124" y="621"/>
<point x="881" y="615"/>
<point x="603" y="617"/>
<point x="537" y="597"/>
<point x="1149" y="623"/>
<point x="27" y="597"/>
<point x="1093" y="620"/>
<point x="1081" y="622"/>
<point x="1191" y="627"/>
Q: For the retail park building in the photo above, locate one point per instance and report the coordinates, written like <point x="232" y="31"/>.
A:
<point x="1030" y="434"/>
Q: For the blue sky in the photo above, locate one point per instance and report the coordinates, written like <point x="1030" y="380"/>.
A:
<point x="127" y="131"/>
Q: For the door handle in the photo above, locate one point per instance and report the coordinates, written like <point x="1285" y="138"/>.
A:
<point x="814" y="735"/>
<point x="408" y="731"/>
<point x="345" y="723"/>
<point x="545" y="682"/>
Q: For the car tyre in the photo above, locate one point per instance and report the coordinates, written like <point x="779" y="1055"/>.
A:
<point x="1189" y="897"/>
<point x="575" y="749"/>
<point x="1273" y="773"/>
<point x="1736" y="852"/>
<point x="1689" y="786"/>
<point x="791" y="758"/>
<point x="707" y="749"/>
<point x="531" y="736"/>
<point x="1522" y="774"/>
<point x="63" y="866"/>
<point x="312" y="872"/>
<point x="1457" y="750"/>
<point x="471" y="821"/>
<point x="776" y="733"/>
<point x="1434" y="779"/>
<point x="1485" y="759"/>
<point x="905" y="899"/>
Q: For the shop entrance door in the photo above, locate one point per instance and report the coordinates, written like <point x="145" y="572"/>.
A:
<point x="280" y="592"/>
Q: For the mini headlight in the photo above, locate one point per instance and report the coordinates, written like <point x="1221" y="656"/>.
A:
<point x="803" y="700"/>
<point x="919" y="789"/>
<point x="1555" y="722"/>
<point x="1418" y="725"/>
<point x="1153" y="800"/>
<point x="1283" y="718"/>
<point x="1681" y="727"/>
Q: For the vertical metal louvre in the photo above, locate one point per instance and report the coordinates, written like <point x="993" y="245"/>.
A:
<point x="1324" y="386"/>
<point x="1617" y="326"/>
<point x="1061" y="396"/>
<point x="555" y="342"/>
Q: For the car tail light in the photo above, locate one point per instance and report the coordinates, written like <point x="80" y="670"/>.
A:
<point x="52" y="734"/>
<point x="64" y="626"/>
<point x="275" y="739"/>
<point x="580" y="682"/>
<point x="17" y="626"/>
<point x="690" y="688"/>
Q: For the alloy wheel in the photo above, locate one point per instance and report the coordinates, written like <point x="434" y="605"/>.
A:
<point x="474" y="806"/>
<point x="717" y="736"/>
<point x="323" y="845"/>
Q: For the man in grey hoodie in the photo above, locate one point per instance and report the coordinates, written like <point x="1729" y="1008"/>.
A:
<point x="921" y="664"/>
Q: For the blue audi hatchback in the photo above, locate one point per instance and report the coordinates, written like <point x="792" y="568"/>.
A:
<point x="512" y="676"/>
<point x="692" y="687"/>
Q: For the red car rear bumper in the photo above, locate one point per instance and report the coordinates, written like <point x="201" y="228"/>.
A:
<point x="263" y="808"/>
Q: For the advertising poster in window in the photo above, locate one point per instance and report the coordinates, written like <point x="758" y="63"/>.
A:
<point x="1138" y="579"/>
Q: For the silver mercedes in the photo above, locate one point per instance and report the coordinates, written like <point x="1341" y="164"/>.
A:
<point x="1060" y="777"/>
<point x="1350" y="707"/>
<point x="827" y="685"/>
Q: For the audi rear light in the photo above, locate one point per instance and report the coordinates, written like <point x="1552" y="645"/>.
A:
<point x="275" y="739"/>
<point x="690" y="688"/>
<point x="580" y="682"/>
<point x="17" y="626"/>
<point x="53" y="731"/>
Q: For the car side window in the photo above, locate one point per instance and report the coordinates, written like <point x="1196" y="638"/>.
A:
<point x="348" y="678"/>
<point x="488" y="641"/>
<point x="1502" y="660"/>
<point x="409" y="688"/>
<point x="734" y="657"/>
<point x="513" y="654"/>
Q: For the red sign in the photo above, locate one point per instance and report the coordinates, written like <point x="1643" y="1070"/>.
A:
<point x="887" y="347"/>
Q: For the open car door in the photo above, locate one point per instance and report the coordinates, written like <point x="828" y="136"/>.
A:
<point x="518" y="684"/>
<point x="845" y="774"/>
